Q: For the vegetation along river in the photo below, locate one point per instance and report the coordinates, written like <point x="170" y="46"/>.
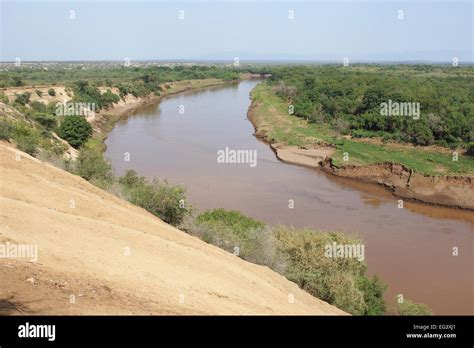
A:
<point x="411" y="249"/>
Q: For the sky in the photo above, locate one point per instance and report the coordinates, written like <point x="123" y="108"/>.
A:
<point x="375" y="30"/>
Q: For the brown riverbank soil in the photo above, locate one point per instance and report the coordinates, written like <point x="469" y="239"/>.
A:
<point x="98" y="254"/>
<point x="452" y="191"/>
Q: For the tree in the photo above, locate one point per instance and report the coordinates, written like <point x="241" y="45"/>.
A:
<point x="51" y="92"/>
<point x="76" y="130"/>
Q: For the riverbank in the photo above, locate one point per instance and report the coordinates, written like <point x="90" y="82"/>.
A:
<point x="295" y="141"/>
<point x="106" y="119"/>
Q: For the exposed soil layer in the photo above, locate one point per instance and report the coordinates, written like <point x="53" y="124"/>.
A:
<point x="451" y="191"/>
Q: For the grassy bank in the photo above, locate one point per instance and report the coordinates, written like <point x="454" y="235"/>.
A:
<point x="273" y="122"/>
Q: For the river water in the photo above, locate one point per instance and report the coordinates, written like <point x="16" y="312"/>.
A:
<point x="411" y="249"/>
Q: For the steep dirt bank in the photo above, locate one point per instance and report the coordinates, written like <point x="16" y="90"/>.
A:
<point x="98" y="254"/>
<point x="449" y="191"/>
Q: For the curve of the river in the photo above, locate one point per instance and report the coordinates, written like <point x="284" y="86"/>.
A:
<point x="411" y="249"/>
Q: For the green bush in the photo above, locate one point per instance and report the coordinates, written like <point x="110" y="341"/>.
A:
<point x="6" y="129"/>
<point x="92" y="166"/>
<point x="470" y="148"/>
<point x="158" y="197"/>
<point x="52" y="92"/>
<point x="26" y="138"/>
<point x="53" y="153"/>
<point x="373" y="290"/>
<point x="3" y="98"/>
<point x="17" y="81"/>
<point x="75" y="130"/>
<point x="335" y="280"/>
<point x="46" y="120"/>
<point x="236" y="233"/>
<point x="39" y="106"/>
<point x="411" y="308"/>
<point x="108" y="98"/>
<point x="56" y="147"/>
<point x="39" y="93"/>
<point x="236" y="221"/>
<point x="23" y="98"/>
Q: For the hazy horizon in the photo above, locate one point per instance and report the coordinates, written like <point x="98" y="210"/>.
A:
<point x="313" y="31"/>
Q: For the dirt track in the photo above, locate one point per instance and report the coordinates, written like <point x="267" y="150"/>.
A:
<point x="114" y="258"/>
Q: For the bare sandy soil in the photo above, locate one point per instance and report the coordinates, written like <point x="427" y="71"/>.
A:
<point x="62" y="94"/>
<point x="98" y="254"/>
<point x="309" y="157"/>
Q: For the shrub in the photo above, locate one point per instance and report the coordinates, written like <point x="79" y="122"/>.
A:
<point x="76" y="130"/>
<point x="3" y="98"/>
<point x="52" y="92"/>
<point x="339" y="281"/>
<point x="158" y="197"/>
<point x="411" y="308"/>
<point x="92" y="166"/>
<point x="55" y="147"/>
<point x="108" y="98"/>
<point x="373" y="290"/>
<point x="6" y="129"/>
<point x="23" y="98"/>
<point x="38" y="106"/>
<point x="39" y="93"/>
<point x="18" y="82"/>
<point x="46" y="120"/>
<point x="53" y="153"/>
<point x="26" y="138"/>
<point x="236" y="221"/>
<point x="236" y="233"/>
<point x="470" y="148"/>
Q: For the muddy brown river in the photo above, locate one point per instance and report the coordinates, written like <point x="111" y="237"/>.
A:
<point x="411" y="249"/>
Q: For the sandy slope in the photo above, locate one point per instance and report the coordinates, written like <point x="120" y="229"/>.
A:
<point x="83" y="252"/>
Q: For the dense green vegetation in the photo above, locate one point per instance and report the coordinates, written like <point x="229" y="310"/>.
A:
<point x="85" y="93"/>
<point x="166" y="201"/>
<point x="23" y="99"/>
<point x="146" y="79"/>
<point x="75" y="130"/>
<point x="408" y="307"/>
<point x="91" y="165"/>
<point x="281" y="127"/>
<point x="349" y="99"/>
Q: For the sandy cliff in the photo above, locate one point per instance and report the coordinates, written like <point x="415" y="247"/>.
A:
<point x="98" y="254"/>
